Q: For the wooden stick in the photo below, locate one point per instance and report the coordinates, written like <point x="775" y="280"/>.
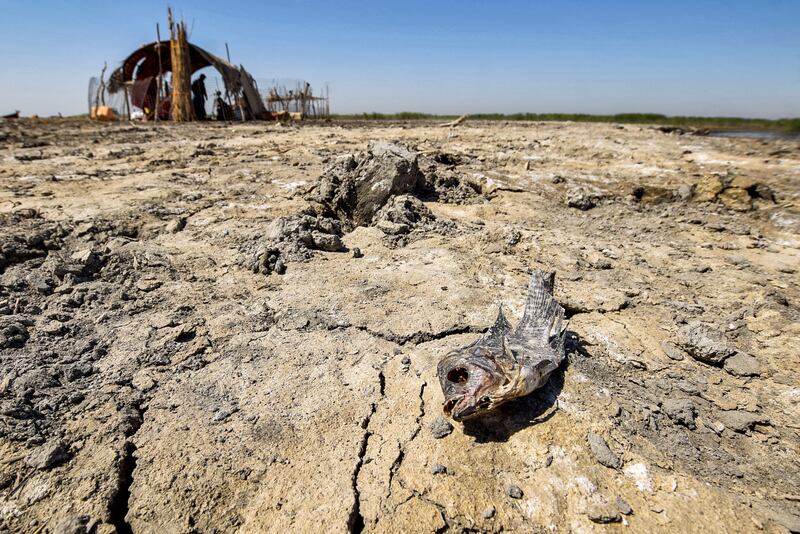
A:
<point x="453" y="124"/>
<point x="158" y="78"/>
<point x="241" y="97"/>
<point x="101" y="88"/>
<point x="127" y="102"/>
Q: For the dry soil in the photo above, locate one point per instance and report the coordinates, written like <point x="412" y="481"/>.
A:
<point x="153" y="378"/>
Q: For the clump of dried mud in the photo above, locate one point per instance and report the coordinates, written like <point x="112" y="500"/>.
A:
<point x="236" y="328"/>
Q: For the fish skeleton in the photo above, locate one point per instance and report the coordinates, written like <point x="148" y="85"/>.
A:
<point x="505" y="364"/>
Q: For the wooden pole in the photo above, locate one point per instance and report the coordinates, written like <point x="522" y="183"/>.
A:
<point x="227" y="94"/>
<point x="239" y="99"/>
<point x="158" y="78"/>
<point x="101" y="88"/>
<point x="127" y="102"/>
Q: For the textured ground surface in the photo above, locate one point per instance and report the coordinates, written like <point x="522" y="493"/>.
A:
<point x="151" y="381"/>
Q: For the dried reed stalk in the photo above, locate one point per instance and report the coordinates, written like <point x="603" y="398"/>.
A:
<point x="181" y="77"/>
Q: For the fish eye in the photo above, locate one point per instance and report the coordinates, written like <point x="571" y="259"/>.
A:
<point x="458" y="375"/>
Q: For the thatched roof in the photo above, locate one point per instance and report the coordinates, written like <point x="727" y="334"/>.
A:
<point x="143" y="63"/>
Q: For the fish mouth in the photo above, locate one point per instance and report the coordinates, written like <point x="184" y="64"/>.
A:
<point x="461" y="408"/>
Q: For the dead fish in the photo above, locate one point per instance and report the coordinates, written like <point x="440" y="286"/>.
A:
<point x="505" y="364"/>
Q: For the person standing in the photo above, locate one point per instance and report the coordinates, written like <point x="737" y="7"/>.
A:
<point x="199" y="97"/>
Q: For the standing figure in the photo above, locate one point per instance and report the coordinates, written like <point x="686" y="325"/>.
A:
<point x="199" y="97"/>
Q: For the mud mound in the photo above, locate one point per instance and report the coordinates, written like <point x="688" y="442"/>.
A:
<point x="295" y="238"/>
<point x="736" y="193"/>
<point x="405" y="218"/>
<point x="375" y="188"/>
<point x="353" y="190"/>
<point x="28" y="237"/>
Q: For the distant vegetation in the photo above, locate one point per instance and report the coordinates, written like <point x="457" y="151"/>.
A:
<point x="786" y="125"/>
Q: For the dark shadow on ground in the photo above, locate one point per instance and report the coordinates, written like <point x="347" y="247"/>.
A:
<point x="533" y="409"/>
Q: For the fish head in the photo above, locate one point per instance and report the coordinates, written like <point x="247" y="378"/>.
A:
<point x="473" y="382"/>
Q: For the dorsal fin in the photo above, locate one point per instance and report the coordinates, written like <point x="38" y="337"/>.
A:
<point x="495" y="343"/>
<point x="500" y="328"/>
<point x="543" y="316"/>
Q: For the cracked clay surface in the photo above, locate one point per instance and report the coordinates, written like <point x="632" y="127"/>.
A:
<point x="151" y="382"/>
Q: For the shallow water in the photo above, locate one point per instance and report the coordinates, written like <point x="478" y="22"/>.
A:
<point x="756" y="134"/>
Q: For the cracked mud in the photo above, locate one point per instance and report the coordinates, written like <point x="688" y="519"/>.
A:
<point x="189" y="341"/>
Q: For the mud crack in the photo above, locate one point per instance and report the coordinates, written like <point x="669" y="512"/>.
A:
<point x="422" y="337"/>
<point x="399" y="461"/>
<point x="409" y="339"/>
<point x="118" y="509"/>
<point x="355" y="521"/>
<point x="120" y="502"/>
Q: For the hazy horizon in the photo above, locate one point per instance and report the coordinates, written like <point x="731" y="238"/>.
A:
<point x="686" y="58"/>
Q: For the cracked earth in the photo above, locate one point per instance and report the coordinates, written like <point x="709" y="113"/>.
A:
<point x="152" y="380"/>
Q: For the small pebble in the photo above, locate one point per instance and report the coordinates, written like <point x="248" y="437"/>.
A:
<point x="672" y="352"/>
<point x="604" y="517"/>
<point x="222" y="414"/>
<point x="438" y="469"/>
<point x="623" y="507"/>
<point x="357" y="253"/>
<point x="54" y="328"/>
<point x="514" y="491"/>
<point x="440" y="427"/>
<point x="602" y="453"/>
<point x="489" y="512"/>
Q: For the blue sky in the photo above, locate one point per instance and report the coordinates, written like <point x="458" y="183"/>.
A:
<point x="700" y="57"/>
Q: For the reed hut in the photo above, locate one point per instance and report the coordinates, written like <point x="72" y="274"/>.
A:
<point x="140" y="72"/>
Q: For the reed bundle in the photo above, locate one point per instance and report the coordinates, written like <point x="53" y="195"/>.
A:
<point x="181" y="76"/>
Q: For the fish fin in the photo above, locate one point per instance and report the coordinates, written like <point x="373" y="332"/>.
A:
<point x="543" y="317"/>
<point x="558" y="335"/>
<point x="498" y="331"/>
<point x="494" y="341"/>
<point x="509" y="355"/>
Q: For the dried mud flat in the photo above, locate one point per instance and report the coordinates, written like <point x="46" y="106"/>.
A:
<point x="158" y="373"/>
